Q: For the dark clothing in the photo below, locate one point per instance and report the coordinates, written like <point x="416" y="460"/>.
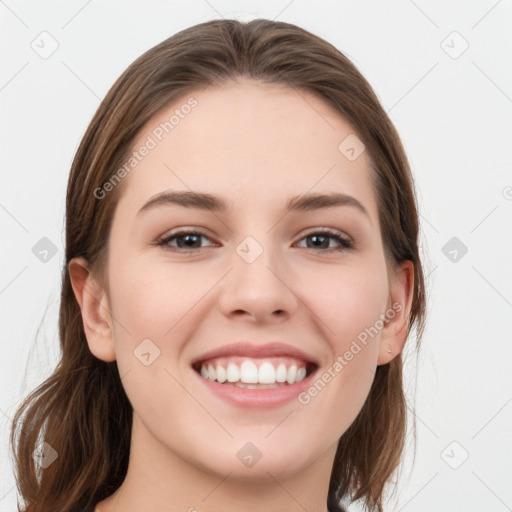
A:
<point x="334" y="507"/>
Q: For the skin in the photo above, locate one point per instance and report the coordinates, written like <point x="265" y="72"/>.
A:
<point x="255" y="145"/>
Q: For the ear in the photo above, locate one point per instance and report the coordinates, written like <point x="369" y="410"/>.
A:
<point x="93" y="302"/>
<point x="394" y="332"/>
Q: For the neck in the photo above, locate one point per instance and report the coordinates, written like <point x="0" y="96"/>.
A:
<point x="160" y="480"/>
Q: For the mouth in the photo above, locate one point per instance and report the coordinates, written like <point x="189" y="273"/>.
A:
<point x="255" y="383"/>
<point x="255" y="373"/>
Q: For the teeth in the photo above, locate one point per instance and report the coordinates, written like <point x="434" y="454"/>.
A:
<point x="292" y="373"/>
<point x="221" y="373"/>
<point x="249" y="373"/>
<point x="266" y="374"/>
<point x="281" y="373"/>
<point x="301" y="374"/>
<point x="233" y="373"/>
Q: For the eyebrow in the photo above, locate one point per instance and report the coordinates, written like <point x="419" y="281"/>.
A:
<point x="204" y="201"/>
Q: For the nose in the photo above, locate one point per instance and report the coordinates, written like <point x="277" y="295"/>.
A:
<point x="259" y="287"/>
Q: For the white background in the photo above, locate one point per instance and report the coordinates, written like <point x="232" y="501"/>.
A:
<point x="455" y="118"/>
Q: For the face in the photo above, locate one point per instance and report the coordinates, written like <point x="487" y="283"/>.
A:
<point x="249" y="291"/>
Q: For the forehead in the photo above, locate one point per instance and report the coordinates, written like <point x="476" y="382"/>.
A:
<point x="249" y="140"/>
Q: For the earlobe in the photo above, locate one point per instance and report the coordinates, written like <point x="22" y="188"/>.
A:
<point x="394" y="333"/>
<point x="93" y="302"/>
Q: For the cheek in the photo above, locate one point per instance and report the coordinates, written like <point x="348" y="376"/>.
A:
<point x="151" y="299"/>
<point x="150" y="308"/>
<point x="347" y="300"/>
<point x="354" y="300"/>
<point x="157" y="301"/>
<point x="350" y="306"/>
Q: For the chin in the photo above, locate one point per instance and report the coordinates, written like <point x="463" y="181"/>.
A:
<point x="254" y="460"/>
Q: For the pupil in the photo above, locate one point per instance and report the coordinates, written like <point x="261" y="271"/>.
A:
<point x="316" y="237"/>
<point x="187" y="238"/>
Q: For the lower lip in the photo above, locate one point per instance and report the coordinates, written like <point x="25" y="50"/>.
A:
<point x="256" y="398"/>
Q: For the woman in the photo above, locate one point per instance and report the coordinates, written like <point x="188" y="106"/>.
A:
<point x="242" y="273"/>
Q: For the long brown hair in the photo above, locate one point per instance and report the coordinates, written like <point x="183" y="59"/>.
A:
<point x="81" y="410"/>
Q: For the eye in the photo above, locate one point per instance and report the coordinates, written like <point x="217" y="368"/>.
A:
<point x="186" y="241"/>
<point x="320" y="240"/>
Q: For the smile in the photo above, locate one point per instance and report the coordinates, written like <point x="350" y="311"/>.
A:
<point x="255" y="373"/>
<point x="255" y="382"/>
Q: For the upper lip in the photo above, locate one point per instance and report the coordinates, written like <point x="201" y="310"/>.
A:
<point x="248" y="349"/>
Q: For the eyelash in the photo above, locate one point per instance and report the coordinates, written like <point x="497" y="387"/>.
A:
<point x="346" y="243"/>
